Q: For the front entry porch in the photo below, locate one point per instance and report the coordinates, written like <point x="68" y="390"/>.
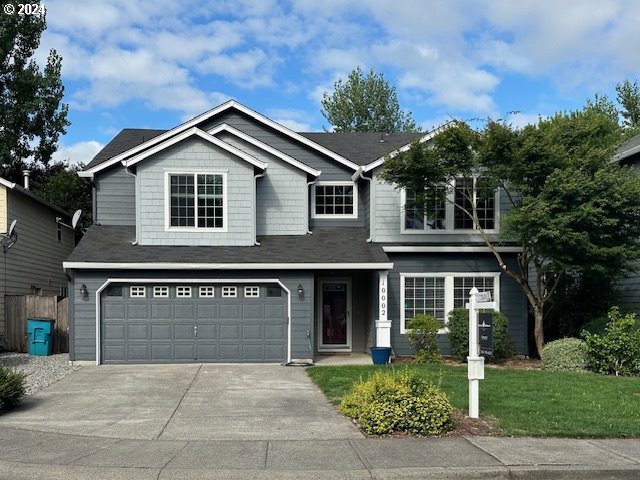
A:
<point x="350" y="314"/>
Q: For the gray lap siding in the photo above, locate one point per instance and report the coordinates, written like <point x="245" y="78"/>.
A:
<point x="83" y="320"/>
<point x="512" y="300"/>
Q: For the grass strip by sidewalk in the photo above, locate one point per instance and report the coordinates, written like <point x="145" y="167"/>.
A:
<point x="524" y="402"/>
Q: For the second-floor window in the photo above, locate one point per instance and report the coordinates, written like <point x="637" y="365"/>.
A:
<point x="447" y="215"/>
<point x="335" y="200"/>
<point x="197" y="200"/>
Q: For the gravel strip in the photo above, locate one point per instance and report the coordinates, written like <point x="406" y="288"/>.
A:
<point x="41" y="371"/>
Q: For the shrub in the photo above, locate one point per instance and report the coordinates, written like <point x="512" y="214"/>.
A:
<point x="458" y="325"/>
<point x="390" y="401"/>
<point x="565" y="355"/>
<point x="422" y="334"/>
<point x="617" y="351"/>
<point x="11" y="387"/>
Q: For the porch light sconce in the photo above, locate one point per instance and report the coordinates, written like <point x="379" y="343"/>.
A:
<point x="300" y="291"/>
<point x="84" y="292"/>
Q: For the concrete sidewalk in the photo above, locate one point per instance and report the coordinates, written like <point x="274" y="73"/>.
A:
<point x="36" y="455"/>
<point x="206" y="421"/>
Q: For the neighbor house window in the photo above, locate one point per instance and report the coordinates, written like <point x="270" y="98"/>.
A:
<point x="196" y="200"/>
<point x="251" y="292"/>
<point x="335" y="200"/>
<point x="449" y="214"/>
<point x="229" y="292"/>
<point x="183" y="292"/>
<point x="206" y="292"/>
<point x="438" y="293"/>
<point x="161" y="292"/>
<point x="137" y="292"/>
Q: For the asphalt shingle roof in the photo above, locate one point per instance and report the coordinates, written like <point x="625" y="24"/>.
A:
<point x="362" y="147"/>
<point x="112" y="244"/>
<point x="628" y="148"/>
<point x="126" y="139"/>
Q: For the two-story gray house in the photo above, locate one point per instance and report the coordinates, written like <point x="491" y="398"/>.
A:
<point x="231" y="238"/>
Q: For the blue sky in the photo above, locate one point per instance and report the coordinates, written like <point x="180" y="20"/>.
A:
<point x="154" y="64"/>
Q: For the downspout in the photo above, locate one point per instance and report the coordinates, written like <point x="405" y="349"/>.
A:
<point x="255" y="204"/>
<point x="360" y="174"/>
<point x="128" y="172"/>
<point x="309" y="232"/>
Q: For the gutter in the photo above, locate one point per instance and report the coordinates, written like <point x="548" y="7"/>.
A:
<point x="309" y="232"/>
<point x="255" y="204"/>
<point x="357" y="175"/>
<point x="128" y="172"/>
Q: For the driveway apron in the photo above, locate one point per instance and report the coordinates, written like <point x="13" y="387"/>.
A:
<point x="185" y="402"/>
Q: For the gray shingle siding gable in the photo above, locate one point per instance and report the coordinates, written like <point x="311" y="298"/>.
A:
<point x="195" y="155"/>
<point x="115" y="197"/>
<point x="281" y="200"/>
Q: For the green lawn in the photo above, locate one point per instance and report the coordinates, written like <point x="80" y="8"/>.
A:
<point x="524" y="402"/>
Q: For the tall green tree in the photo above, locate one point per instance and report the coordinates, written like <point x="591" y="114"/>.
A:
<point x="365" y="104"/>
<point x="33" y="115"/>
<point x="572" y="211"/>
<point x="629" y="98"/>
<point x="61" y="185"/>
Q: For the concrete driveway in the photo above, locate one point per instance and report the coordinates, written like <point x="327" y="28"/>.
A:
<point x="184" y="402"/>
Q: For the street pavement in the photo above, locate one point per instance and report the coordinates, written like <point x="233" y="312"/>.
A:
<point x="204" y="421"/>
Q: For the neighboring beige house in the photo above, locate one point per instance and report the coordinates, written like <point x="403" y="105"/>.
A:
<point x="33" y="264"/>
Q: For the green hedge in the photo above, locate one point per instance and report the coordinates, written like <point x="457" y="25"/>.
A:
<point x="503" y="347"/>
<point x="565" y="355"/>
<point x="390" y="401"/>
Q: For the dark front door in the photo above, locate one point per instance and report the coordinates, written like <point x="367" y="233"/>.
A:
<point x="335" y="321"/>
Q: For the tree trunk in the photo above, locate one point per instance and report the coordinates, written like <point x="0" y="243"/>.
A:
<point x="538" y="331"/>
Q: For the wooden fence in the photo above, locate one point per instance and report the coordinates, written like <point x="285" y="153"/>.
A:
<point x="19" y="308"/>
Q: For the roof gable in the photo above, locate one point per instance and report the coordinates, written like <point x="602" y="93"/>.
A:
<point x="198" y="133"/>
<point x="96" y="166"/>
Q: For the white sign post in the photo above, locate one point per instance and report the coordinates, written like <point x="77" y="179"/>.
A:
<point x="475" y="363"/>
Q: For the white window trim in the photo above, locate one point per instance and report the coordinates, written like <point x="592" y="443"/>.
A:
<point x="207" y="289"/>
<point x="252" y="291"/>
<point x="449" y="219"/>
<point x="229" y="292"/>
<point x="167" y="201"/>
<point x="335" y="183"/>
<point x="186" y="291"/>
<point x="136" y="288"/>
<point x="161" y="292"/>
<point x="448" y="292"/>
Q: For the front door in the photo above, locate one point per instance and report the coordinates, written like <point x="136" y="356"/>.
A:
<point x="334" y="315"/>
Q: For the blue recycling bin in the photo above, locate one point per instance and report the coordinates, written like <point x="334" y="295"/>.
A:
<point x="40" y="332"/>
<point x="380" y="355"/>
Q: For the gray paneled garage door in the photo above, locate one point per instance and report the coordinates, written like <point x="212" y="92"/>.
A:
<point x="166" y="323"/>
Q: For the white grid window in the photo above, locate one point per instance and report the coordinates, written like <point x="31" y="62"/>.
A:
<point x="229" y="292"/>
<point x="335" y="200"/>
<point x="137" y="292"/>
<point x="252" y="292"/>
<point x="438" y="293"/>
<point x="183" y="292"/>
<point x="206" y="292"/>
<point x="161" y="292"/>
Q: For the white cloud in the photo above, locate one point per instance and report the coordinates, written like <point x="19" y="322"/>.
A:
<point x="81" y="152"/>
<point x="296" y="120"/>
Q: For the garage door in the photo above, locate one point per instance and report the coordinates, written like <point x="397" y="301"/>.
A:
<point x="169" y="323"/>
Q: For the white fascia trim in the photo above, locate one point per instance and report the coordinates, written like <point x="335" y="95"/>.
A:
<point x="205" y="116"/>
<point x="263" y="146"/>
<point x="446" y="249"/>
<point x="227" y="266"/>
<point x="626" y="153"/>
<point x="428" y="136"/>
<point x="7" y="183"/>
<point x="109" y="281"/>
<point x="199" y="133"/>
